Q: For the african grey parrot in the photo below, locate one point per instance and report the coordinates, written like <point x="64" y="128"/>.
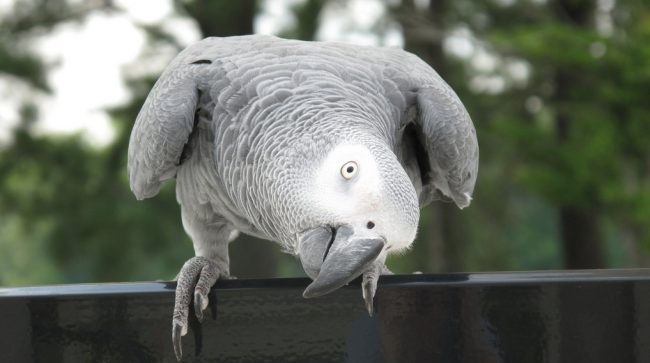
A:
<point x="327" y="148"/>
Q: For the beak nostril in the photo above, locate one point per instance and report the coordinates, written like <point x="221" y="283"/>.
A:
<point x="370" y="225"/>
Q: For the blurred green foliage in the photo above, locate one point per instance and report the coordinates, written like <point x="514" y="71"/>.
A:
<point x="565" y="162"/>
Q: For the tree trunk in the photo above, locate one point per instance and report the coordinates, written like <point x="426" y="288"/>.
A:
<point x="579" y="229"/>
<point x="223" y="18"/>
<point x="581" y="238"/>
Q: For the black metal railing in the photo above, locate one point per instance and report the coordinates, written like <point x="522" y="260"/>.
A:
<point x="565" y="316"/>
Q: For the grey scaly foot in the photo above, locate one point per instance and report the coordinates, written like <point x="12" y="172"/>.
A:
<point x="369" y="284"/>
<point x="196" y="278"/>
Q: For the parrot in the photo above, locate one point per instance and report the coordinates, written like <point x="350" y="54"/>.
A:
<point x="327" y="148"/>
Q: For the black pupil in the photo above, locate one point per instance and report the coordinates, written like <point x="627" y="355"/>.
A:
<point x="350" y="169"/>
<point x="371" y="225"/>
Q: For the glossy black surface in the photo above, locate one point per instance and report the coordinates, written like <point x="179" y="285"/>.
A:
<point x="579" y="316"/>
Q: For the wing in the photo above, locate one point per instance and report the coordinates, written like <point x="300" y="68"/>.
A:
<point x="450" y="142"/>
<point x="161" y="130"/>
<point x="166" y="120"/>
<point x="440" y="137"/>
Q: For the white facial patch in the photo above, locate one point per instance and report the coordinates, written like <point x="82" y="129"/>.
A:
<point x="347" y="188"/>
<point x="348" y="197"/>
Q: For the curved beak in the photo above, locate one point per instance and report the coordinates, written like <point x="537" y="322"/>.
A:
<point x="334" y="257"/>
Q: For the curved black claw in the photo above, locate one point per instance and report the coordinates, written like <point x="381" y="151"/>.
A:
<point x="368" y="292"/>
<point x="177" y="332"/>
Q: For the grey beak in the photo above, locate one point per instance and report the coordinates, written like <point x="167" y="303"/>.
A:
<point x="346" y="259"/>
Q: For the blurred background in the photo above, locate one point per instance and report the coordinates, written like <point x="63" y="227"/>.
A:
<point x="558" y="91"/>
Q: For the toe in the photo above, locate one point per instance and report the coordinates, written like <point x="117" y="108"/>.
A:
<point x="207" y="278"/>
<point x="195" y="280"/>
<point x="369" y="284"/>
<point x="200" y="303"/>
<point x="181" y="308"/>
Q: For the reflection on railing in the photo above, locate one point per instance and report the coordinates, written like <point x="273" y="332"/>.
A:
<point x="558" y="316"/>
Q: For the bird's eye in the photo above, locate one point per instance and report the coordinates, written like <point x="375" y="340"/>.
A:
<point x="349" y="170"/>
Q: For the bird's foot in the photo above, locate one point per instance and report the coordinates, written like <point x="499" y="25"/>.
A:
<point x="369" y="284"/>
<point x="196" y="278"/>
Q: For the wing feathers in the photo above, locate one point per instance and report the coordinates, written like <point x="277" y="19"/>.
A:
<point x="162" y="129"/>
<point x="450" y="141"/>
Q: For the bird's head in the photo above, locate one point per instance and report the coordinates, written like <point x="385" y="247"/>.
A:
<point x="366" y="205"/>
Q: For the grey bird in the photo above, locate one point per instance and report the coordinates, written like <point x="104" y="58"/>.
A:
<point x="327" y="148"/>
